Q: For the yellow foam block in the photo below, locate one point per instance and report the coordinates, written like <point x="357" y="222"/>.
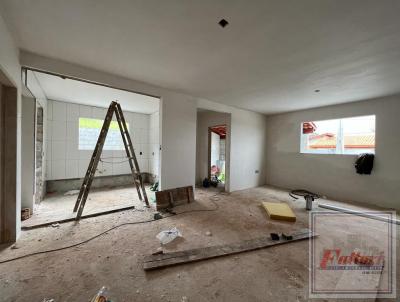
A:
<point x="279" y="211"/>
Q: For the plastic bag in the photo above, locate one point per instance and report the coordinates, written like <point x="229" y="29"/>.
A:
<point x="168" y="235"/>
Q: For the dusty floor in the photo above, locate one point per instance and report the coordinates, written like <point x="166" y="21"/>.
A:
<point x="275" y="274"/>
<point x="58" y="206"/>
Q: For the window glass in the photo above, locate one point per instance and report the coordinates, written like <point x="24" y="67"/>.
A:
<point x="353" y="135"/>
<point x="321" y="136"/>
<point x="89" y="131"/>
<point x="359" y="134"/>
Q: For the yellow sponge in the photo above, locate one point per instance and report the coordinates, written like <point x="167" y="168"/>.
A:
<point x="279" y="211"/>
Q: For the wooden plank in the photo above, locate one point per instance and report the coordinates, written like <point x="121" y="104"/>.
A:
<point x="168" y="259"/>
<point x="41" y="225"/>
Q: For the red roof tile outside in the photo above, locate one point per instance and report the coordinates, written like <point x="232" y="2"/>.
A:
<point x="327" y="141"/>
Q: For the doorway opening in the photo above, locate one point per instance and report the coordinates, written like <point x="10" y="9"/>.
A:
<point x="213" y="150"/>
<point x="8" y="159"/>
<point x="217" y="155"/>
<point x="69" y="115"/>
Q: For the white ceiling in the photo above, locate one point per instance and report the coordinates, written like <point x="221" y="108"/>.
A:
<point x="72" y="91"/>
<point x="270" y="58"/>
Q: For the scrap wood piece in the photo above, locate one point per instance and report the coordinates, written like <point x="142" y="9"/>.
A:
<point x="279" y="211"/>
<point x="168" y="259"/>
<point x="169" y="198"/>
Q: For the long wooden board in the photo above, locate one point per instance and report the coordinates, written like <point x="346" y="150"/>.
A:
<point x="168" y="259"/>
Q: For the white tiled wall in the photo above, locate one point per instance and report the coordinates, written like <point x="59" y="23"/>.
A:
<point x="65" y="161"/>
<point x="154" y="144"/>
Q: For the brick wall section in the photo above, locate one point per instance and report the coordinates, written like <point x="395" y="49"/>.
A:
<point x="39" y="155"/>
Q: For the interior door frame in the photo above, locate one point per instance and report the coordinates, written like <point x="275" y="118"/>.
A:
<point x="209" y="153"/>
<point x="9" y="210"/>
<point x="209" y="149"/>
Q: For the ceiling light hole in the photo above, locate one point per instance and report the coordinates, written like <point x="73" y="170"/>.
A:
<point x="317" y="90"/>
<point x="223" y="23"/>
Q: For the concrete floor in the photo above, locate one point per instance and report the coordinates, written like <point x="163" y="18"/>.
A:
<point x="57" y="206"/>
<point x="115" y="259"/>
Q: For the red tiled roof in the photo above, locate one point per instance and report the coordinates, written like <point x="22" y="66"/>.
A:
<point x="309" y="127"/>
<point x="220" y="130"/>
<point x="350" y="141"/>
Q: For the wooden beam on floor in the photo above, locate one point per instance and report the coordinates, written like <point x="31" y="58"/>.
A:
<point x="152" y="262"/>
<point x="41" y="225"/>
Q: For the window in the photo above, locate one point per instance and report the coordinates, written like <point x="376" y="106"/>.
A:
<point x="352" y="135"/>
<point x="89" y="130"/>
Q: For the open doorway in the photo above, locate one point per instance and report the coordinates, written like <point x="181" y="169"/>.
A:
<point x="216" y="155"/>
<point x="213" y="149"/>
<point x="69" y="116"/>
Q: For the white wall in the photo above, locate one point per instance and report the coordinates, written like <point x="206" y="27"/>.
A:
<point x="247" y="146"/>
<point x="178" y="140"/>
<point x="334" y="175"/>
<point x="9" y="65"/>
<point x="154" y="144"/>
<point x="9" y="62"/>
<point x="66" y="161"/>
<point x="28" y="152"/>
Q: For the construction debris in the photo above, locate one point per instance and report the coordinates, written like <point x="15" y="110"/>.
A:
<point x="168" y="236"/>
<point x="157" y="216"/>
<point x="25" y="213"/>
<point x="287" y="237"/>
<point x="274" y="236"/>
<point x="169" y="198"/>
<point x="159" y="251"/>
<point x="71" y="192"/>
<point x="168" y="259"/>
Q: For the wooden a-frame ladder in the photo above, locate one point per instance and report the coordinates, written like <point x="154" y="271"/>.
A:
<point x="130" y="153"/>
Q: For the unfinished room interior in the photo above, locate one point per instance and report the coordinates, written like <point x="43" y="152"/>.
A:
<point x="224" y="150"/>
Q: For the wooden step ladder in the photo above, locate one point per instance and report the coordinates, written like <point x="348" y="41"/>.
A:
<point x="130" y="153"/>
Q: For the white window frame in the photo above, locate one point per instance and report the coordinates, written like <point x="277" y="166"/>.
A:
<point x="339" y="140"/>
